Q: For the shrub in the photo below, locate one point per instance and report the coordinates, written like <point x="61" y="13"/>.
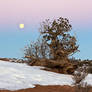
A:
<point x="37" y="50"/>
<point x="80" y="75"/>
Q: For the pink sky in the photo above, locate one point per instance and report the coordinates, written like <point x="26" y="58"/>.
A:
<point x="13" y="11"/>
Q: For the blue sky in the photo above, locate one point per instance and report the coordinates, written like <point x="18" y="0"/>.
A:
<point x="13" y="42"/>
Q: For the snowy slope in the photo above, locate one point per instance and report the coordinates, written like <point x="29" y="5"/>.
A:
<point x="15" y="76"/>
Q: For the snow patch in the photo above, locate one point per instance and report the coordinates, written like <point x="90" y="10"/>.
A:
<point x="15" y="76"/>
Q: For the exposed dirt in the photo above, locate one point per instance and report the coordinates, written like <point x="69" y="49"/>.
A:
<point x="4" y="59"/>
<point x="47" y="89"/>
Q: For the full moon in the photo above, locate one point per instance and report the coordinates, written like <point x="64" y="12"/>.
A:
<point x="21" y="26"/>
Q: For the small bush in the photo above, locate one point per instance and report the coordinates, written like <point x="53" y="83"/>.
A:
<point x="80" y="75"/>
<point x="37" y="50"/>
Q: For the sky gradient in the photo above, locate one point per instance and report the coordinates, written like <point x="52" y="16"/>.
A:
<point x="32" y="13"/>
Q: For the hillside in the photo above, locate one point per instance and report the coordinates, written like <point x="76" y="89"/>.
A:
<point x="18" y="76"/>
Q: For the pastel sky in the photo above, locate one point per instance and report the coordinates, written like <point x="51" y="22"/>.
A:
<point x="32" y="13"/>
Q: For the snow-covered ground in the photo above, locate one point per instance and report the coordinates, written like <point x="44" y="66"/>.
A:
<point x="88" y="79"/>
<point x="15" y="76"/>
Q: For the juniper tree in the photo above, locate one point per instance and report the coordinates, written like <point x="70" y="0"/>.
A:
<point x="59" y="40"/>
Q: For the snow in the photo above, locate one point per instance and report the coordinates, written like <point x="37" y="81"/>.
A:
<point x="88" y="79"/>
<point x="15" y="76"/>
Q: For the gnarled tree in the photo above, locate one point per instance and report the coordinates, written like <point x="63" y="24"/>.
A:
<point x="58" y="38"/>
